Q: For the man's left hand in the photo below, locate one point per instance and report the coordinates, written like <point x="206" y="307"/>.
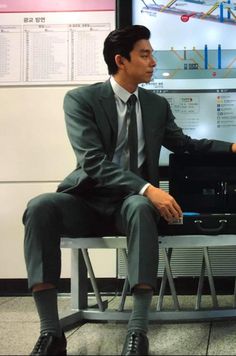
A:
<point x="233" y="147"/>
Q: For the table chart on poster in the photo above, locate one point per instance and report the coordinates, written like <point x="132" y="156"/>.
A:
<point x="53" y="47"/>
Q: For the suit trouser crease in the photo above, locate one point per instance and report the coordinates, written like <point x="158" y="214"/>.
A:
<point x="140" y="221"/>
<point x="51" y="215"/>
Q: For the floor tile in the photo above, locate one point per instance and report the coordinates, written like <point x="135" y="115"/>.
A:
<point x="97" y="339"/>
<point x="23" y="309"/>
<point x="4" y="300"/>
<point x="18" y="338"/>
<point x="19" y="330"/>
<point x="18" y="309"/>
<point x="107" y="339"/>
<point x="223" y="338"/>
<point x="179" y="339"/>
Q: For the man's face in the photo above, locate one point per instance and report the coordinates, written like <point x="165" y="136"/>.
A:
<point x="141" y="65"/>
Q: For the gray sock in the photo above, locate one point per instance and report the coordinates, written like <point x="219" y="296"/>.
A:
<point x="140" y="314"/>
<point x="46" y="303"/>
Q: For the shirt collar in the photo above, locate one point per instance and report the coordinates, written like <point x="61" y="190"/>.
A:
<point x="119" y="91"/>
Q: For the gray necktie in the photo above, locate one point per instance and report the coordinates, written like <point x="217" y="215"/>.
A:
<point x="131" y="147"/>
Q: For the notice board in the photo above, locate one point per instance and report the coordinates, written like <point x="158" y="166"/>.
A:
<point x="51" y="42"/>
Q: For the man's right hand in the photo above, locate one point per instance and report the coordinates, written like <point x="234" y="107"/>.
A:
<point x="167" y="206"/>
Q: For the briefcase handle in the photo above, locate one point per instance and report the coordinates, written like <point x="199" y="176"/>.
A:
<point x="214" y="230"/>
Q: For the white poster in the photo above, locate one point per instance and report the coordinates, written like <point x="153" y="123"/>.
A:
<point x="54" y="46"/>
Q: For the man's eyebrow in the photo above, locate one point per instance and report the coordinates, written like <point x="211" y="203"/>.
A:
<point x="146" y="50"/>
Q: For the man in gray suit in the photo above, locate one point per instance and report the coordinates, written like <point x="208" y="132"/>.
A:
<point x="117" y="142"/>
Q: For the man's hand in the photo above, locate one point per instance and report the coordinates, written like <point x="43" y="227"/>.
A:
<point x="233" y="147"/>
<point x="164" y="202"/>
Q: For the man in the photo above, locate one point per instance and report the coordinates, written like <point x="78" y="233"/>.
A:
<point x="115" y="184"/>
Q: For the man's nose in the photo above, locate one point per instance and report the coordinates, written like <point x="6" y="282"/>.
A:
<point x="154" y="62"/>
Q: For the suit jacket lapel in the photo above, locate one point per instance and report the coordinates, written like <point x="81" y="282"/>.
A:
<point x="109" y="105"/>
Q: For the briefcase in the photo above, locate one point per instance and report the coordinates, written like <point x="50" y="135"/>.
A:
<point x="205" y="188"/>
<point x="200" y="224"/>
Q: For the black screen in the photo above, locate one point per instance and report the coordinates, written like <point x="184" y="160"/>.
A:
<point x="204" y="183"/>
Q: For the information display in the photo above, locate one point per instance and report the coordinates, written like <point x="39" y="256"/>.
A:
<point x="195" y="50"/>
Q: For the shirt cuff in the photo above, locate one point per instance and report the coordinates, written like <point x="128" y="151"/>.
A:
<point x="141" y="192"/>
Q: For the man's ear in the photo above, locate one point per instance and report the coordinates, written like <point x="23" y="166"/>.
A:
<point x="119" y="60"/>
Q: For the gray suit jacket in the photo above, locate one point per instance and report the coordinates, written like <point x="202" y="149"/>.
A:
<point x="92" y="125"/>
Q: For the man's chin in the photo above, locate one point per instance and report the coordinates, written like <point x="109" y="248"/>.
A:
<point x="147" y="80"/>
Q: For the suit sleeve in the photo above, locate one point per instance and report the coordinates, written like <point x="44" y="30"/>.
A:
<point x="87" y="141"/>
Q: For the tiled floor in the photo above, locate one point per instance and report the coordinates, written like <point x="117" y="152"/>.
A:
<point x="19" y="328"/>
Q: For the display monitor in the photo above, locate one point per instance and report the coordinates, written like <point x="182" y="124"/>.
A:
<point x="204" y="183"/>
<point x="195" y="50"/>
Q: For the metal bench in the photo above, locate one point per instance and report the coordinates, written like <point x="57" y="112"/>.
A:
<point x="81" y="267"/>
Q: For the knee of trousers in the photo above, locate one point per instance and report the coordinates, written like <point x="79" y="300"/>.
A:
<point x="138" y="207"/>
<point x="42" y="240"/>
<point x="40" y="209"/>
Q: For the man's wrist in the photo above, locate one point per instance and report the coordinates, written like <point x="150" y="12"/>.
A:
<point x="150" y="190"/>
<point x="144" y="188"/>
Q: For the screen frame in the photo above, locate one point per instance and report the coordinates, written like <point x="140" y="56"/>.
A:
<point x="123" y="13"/>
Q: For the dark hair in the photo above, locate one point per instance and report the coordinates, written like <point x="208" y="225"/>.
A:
<point x="121" y="41"/>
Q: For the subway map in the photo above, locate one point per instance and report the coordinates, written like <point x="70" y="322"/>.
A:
<point x="199" y="37"/>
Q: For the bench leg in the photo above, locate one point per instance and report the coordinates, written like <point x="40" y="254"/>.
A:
<point x="170" y="280"/>
<point x="79" y="281"/>
<point x="126" y="283"/>
<point x="200" y="285"/>
<point x="79" y="291"/>
<point x="210" y="277"/>
<point x="93" y="279"/>
<point x="163" y="284"/>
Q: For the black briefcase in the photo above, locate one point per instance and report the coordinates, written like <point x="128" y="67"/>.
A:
<point x="205" y="188"/>
<point x="201" y="224"/>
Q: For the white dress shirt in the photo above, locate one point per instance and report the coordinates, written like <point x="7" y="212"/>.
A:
<point x="121" y="98"/>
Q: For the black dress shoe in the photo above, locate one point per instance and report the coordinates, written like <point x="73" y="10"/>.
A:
<point x="136" y="343"/>
<point x="49" y="344"/>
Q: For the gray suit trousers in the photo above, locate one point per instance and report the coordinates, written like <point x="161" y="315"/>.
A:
<point x="52" y="215"/>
